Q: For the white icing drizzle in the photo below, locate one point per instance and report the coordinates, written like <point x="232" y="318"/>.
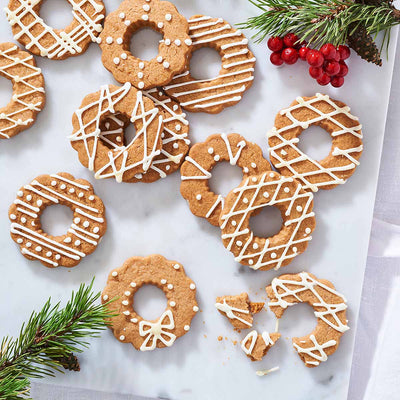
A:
<point x="206" y="174"/>
<point x="252" y="338"/>
<point x="266" y="371"/>
<point x="220" y="200"/>
<point x="267" y="339"/>
<point x="63" y="43"/>
<point x="19" y="117"/>
<point x="307" y="282"/>
<point x="156" y="331"/>
<point x="258" y="259"/>
<point x="119" y="155"/>
<point x="279" y="151"/>
<point x="317" y="351"/>
<point x="201" y="95"/>
<point x="229" y="311"/>
<point x="45" y="244"/>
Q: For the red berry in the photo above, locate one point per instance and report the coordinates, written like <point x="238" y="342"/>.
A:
<point x="315" y="72"/>
<point x="344" y="52"/>
<point x="303" y="52"/>
<point x="290" y="39"/>
<point x="276" y="58"/>
<point x="337" y="81"/>
<point x="324" y="79"/>
<point x="328" y="51"/>
<point x="315" y="58"/>
<point x="332" y="68"/>
<point x="290" y="55"/>
<point x="275" y="43"/>
<point x="344" y="69"/>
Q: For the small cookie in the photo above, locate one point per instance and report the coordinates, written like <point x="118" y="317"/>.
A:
<point x="28" y="97"/>
<point x="238" y="309"/>
<point x="175" y="142"/>
<point x="125" y="161"/>
<point x="331" y="115"/>
<point x="256" y="345"/>
<point x="329" y="308"/>
<point x="40" y="39"/>
<point x="121" y="24"/>
<point x="236" y="74"/>
<point x="88" y="226"/>
<point x="196" y="171"/>
<point x="170" y="277"/>
<point x="255" y="192"/>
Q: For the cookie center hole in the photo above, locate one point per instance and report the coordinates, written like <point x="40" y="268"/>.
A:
<point x="315" y="142"/>
<point x="267" y="223"/>
<point x="6" y="90"/>
<point x="56" y="219"/>
<point x="150" y="302"/>
<point x="205" y="63"/>
<point x="144" y="43"/>
<point x="56" y="13"/>
<point x="298" y="320"/>
<point x="129" y="134"/>
<point x="225" y="177"/>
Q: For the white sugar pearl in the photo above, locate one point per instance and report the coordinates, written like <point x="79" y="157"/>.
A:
<point x="253" y="165"/>
<point x="239" y="243"/>
<point x="105" y="297"/>
<point x="146" y="7"/>
<point x="141" y="65"/>
<point x="286" y="190"/>
<point x="116" y="60"/>
<point x="176" y="266"/>
<point x="49" y="253"/>
<point x="96" y="230"/>
<point x="245" y="200"/>
<point x="125" y="302"/>
<point x="53" y="183"/>
<point x="119" y="40"/>
<point x="266" y="194"/>
<point x="170" y="286"/>
<point x="308" y="230"/>
<point x="233" y="223"/>
<point x="122" y="337"/>
<point x="255" y="246"/>
<point x="160" y="25"/>
<point x="163" y="281"/>
<point x="114" y="274"/>
<point x="133" y="284"/>
<point x="273" y="255"/>
<point x="299" y="208"/>
<point x="109" y="40"/>
<point x="177" y="42"/>
<point x="167" y="42"/>
<point x="86" y="224"/>
<point x="124" y="56"/>
<point x="127" y="293"/>
<point x="23" y="220"/>
<point x="13" y="216"/>
<point x="38" y="248"/>
<point x="29" y="197"/>
<point x="72" y="190"/>
<point x="67" y="240"/>
<point x="168" y="17"/>
<point x="188" y="42"/>
<point x="175" y="145"/>
<point x="145" y="17"/>
<point x="140" y="75"/>
<point x="166" y="64"/>
<point x="134" y="320"/>
<point x="245" y="170"/>
<point x="141" y="85"/>
<point x="195" y="308"/>
<point x="77" y="242"/>
<point x="122" y="15"/>
<point x="159" y="59"/>
<point x="57" y="257"/>
<point x="20" y="193"/>
<point x="198" y="197"/>
<point x="186" y="327"/>
<point x="217" y="157"/>
<point x="172" y="303"/>
<point x="192" y="286"/>
<point x="126" y="313"/>
<point x="19" y="240"/>
<point x="210" y="150"/>
<point x="77" y="220"/>
<point x="39" y="202"/>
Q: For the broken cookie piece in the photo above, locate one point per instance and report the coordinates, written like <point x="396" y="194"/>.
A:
<point x="238" y="309"/>
<point x="256" y="345"/>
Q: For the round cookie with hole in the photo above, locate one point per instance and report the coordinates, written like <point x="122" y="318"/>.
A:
<point x="87" y="228"/>
<point x="332" y="116"/>
<point x="236" y="75"/>
<point x="128" y="326"/>
<point x="132" y="15"/>
<point x="196" y="171"/>
<point x="41" y="39"/>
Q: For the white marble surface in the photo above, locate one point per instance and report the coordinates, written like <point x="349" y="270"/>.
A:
<point x="146" y="219"/>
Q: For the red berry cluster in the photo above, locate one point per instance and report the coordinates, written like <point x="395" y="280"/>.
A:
<point x="327" y="65"/>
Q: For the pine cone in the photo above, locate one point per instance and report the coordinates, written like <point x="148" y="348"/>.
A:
<point x="69" y="362"/>
<point x="363" y="44"/>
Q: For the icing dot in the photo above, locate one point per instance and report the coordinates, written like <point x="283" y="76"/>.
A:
<point x="245" y="200"/>
<point x="141" y="65"/>
<point x="178" y="127"/>
<point x="251" y="262"/>
<point x="57" y="257"/>
<point x="29" y="244"/>
<point x="67" y="240"/>
<point x="172" y="303"/>
<point x="72" y="190"/>
<point x="198" y="197"/>
<point x="166" y="64"/>
<point x="286" y="190"/>
<point x="116" y="60"/>
<point x="195" y="308"/>
<point x="86" y="224"/>
<point x="294" y="249"/>
<point x="216" y="157"/>
<point x="145" y="17"/>
<point x="160" y="25"/>
<point x="245" y="170"/>
<point x="77" y="220"/>
<point x="168" y="17"/>
<point x="210" y="150"/>
<point x="109" y="40"/>
<point x="127" y="293"/>
<point x="168" y="167"/>
<point x="77" y="242"/>
<point x="175" y="145"/>
<point x="133" y="284"/>
<point x="13" y="216"/>
<point x="119" y="40"/>
<point x="122" y="337"/>
<point x="266" y="194"/>
<point x="53" y="183"/>
<point x="177" y="42"/>
<point x="299" y="208"/>
<point x="163" y="281"/>
<point x="239" y="243"/>
<point x="233" y="223"/>
<point x="19" y="240"/>
<point x="192" y="286"/>
<point x="29" y="197"/>
<point x="81" y="194"/>
<point x="91" y="198"/>
<point x="186" y="327"/>
<point x="105" y="297"/>
<point x="63" y="186"/>
<point x="255" y="246"/>
<point x="23" y="220"/>
<point x="141" y="85"/>
<point x="19" y="193"/>
<point x="253" y="165"/>
<point x="159" y="59"/>
<point x="39" y="202"/>
<point x="188" y="42"/>
<point x="114" y="273"/>
<point x="308" y="230"/>
<point x="49" y="253"/>
<point x="146" y="7"/>
<point x="125" y="302"/>
<point x="134" y="320"/>
<point x="126" y="313"/>
<point x="38" y="248"/>
<point x="176" y="266"/>
<point x="271" y="174"/>
<point x="273" y="255"/>
<point x="254" y="179"/>
<point x="33" y="223"/>
<point x="170" y="286"/>
<point x="95" y="230"/>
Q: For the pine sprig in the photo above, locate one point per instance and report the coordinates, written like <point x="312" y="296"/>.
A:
<point x="322" y="21"/>
<point x="48" y="342"/>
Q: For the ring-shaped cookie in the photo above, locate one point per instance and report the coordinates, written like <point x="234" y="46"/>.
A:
<point x="254" y="193"/>
<point x="88" y="226"/>
<point x="196" y="171"/>
<point x="236" y="74"/>
<point x="40" y="39"/>
<point x="125" y="161"/>
<point x="28" y="97"/>
<point x="175" y="142"/>
<point x="329" y="308"/>
<point x="128" y="326"/>
<point x="131" y="15"/>
<point x="331" y="115"/>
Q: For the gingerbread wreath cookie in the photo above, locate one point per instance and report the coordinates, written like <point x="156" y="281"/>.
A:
<point x="88" y="226"/>
<point x="331" y="115"/>
<point x="255" y="192"/>
<point x="39" y="38"/>
<point x="329" y="308"/>
<point x="236" y="74"/>
<point x="126" y="160"/>
<point x="256" y="345"/>
<point x="175" y="142"/>
<point x="238" y="309"/>
<point x="28" y="96"/>
<point x="130" y="327"/>
<point x="132" y="15"/>
<point x="196" y="171"/>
